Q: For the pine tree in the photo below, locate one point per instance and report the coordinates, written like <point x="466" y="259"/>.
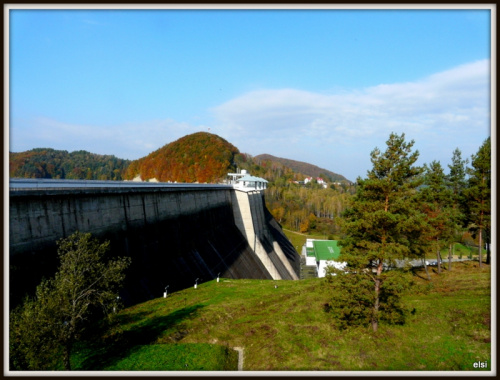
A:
<point x="435" y="200"/>
<point x="383" y="216"/>
<point x="455" y="181"/>
<point x="478" y="195"/>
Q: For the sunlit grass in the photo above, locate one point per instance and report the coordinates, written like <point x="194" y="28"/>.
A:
<point x="287" y="329"/>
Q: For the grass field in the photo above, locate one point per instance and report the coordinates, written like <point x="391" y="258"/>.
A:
<point x="287" y="329"/>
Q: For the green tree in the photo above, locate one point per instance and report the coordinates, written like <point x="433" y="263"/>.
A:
<point x="478" y="195"/>
<point x="455" y="180"/>
<point x="436" y="202"/>
<point x="66" y="307"/>
<point x="382" y="216"/>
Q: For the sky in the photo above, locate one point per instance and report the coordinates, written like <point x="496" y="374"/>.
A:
<point x="324" y="86"/>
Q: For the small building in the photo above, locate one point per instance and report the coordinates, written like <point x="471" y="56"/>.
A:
<point x="319" y="180"/>
<point x="244" y="181"/>
<point x="233" y="177"/>
<point x="323" y="253"/>
<point x="251" y="182"/>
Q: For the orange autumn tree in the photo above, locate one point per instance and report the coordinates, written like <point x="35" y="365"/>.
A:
<point x="199" y="157"/>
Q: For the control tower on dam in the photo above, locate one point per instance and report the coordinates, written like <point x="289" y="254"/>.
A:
<point x="174" y="233"/>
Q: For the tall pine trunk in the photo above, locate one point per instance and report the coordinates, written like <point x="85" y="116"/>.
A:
<point x="426" y="269"/>
<point x="438" y="257"/>
<point x="376" y="304"/>
<point x="480" y="246"/>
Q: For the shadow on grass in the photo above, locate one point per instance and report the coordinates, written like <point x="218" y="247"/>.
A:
<point x="110" y="350"/>
<point x="420" y="273"/>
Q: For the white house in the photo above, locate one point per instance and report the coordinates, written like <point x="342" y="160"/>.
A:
<point x="323" y="253"/>
<point x="320" y="181"/>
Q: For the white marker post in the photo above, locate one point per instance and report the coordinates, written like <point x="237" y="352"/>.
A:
<point x="165" y="293"/>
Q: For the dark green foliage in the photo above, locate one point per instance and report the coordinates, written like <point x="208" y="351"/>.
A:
<point x="383" y="222"/>
<point x="59" y="164"/>
<point x="353" y="298"/>
<point x="84" y="290"/>
<point x="396" y="285"/>
<point x="455" y="180"/>
<point x="478" y="195"/>
<point x="436" y="203"/>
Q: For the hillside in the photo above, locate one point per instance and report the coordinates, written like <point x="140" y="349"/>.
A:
<point x="59" y="164"/>
<point x="302" y="167"/>
<point x="199" y="157"/>
<point x="286" y="328"/>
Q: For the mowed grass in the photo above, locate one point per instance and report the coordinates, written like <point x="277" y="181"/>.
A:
<point x="285" y="328"/>
<point x="298" y="239"/>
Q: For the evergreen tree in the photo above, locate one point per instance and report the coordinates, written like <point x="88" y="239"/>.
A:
<point x="455" y="180"/>
<point x="435" y="199"/>
<point x="478" y="195"/>
<point x="383" y="216"/>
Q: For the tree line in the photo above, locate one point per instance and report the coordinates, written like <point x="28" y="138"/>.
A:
<point x="404" y="211"/>
<point x="306" y="208"/>
<point x="59" y="164"/>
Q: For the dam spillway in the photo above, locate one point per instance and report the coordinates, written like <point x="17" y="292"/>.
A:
<point x="174" y="233"/>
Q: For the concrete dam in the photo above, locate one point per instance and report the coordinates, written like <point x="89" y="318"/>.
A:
<point x="174" y="233"/>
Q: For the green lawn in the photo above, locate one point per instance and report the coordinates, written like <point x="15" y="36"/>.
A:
<point x="287" y="329"/>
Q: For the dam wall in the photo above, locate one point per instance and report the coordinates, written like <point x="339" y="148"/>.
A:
<point x="174" y="234"/>
<point x="251" y="220"/>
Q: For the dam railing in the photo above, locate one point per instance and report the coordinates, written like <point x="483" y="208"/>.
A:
<point x="28" y="184"/>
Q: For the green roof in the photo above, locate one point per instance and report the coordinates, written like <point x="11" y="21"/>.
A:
<point x="326" y="250"/>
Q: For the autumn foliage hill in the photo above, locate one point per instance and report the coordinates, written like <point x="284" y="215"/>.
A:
<point x="301" y="167"/>
<point x="199" y="157"/>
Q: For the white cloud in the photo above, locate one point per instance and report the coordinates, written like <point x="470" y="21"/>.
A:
<point x="462" y="92"/>
<point x="336" y="131"/>
<point x="131" y="140"/>
<point x="451" y="106"/>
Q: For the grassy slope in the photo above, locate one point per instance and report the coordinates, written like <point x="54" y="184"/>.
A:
<point x="285" y="328"/>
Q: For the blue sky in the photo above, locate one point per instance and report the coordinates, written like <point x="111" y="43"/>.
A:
<point x="321" y="86"/>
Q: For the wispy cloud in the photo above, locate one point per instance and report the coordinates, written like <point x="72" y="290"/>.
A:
<point x="444" y="110"/>
<point x="456" y="100"/>
<point x="131" y="140"/>
<point x="336" y="131"/>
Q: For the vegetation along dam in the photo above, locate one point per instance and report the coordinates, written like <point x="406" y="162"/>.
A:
<point x="176" y="234"/>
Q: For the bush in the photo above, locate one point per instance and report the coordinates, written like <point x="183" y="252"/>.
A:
<point x="353" y="298"/>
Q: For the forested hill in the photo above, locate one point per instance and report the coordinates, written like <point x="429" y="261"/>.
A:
<point x="198" y="157"/>
<point x="59" y="164"/>
<point x="302" y="167"/>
